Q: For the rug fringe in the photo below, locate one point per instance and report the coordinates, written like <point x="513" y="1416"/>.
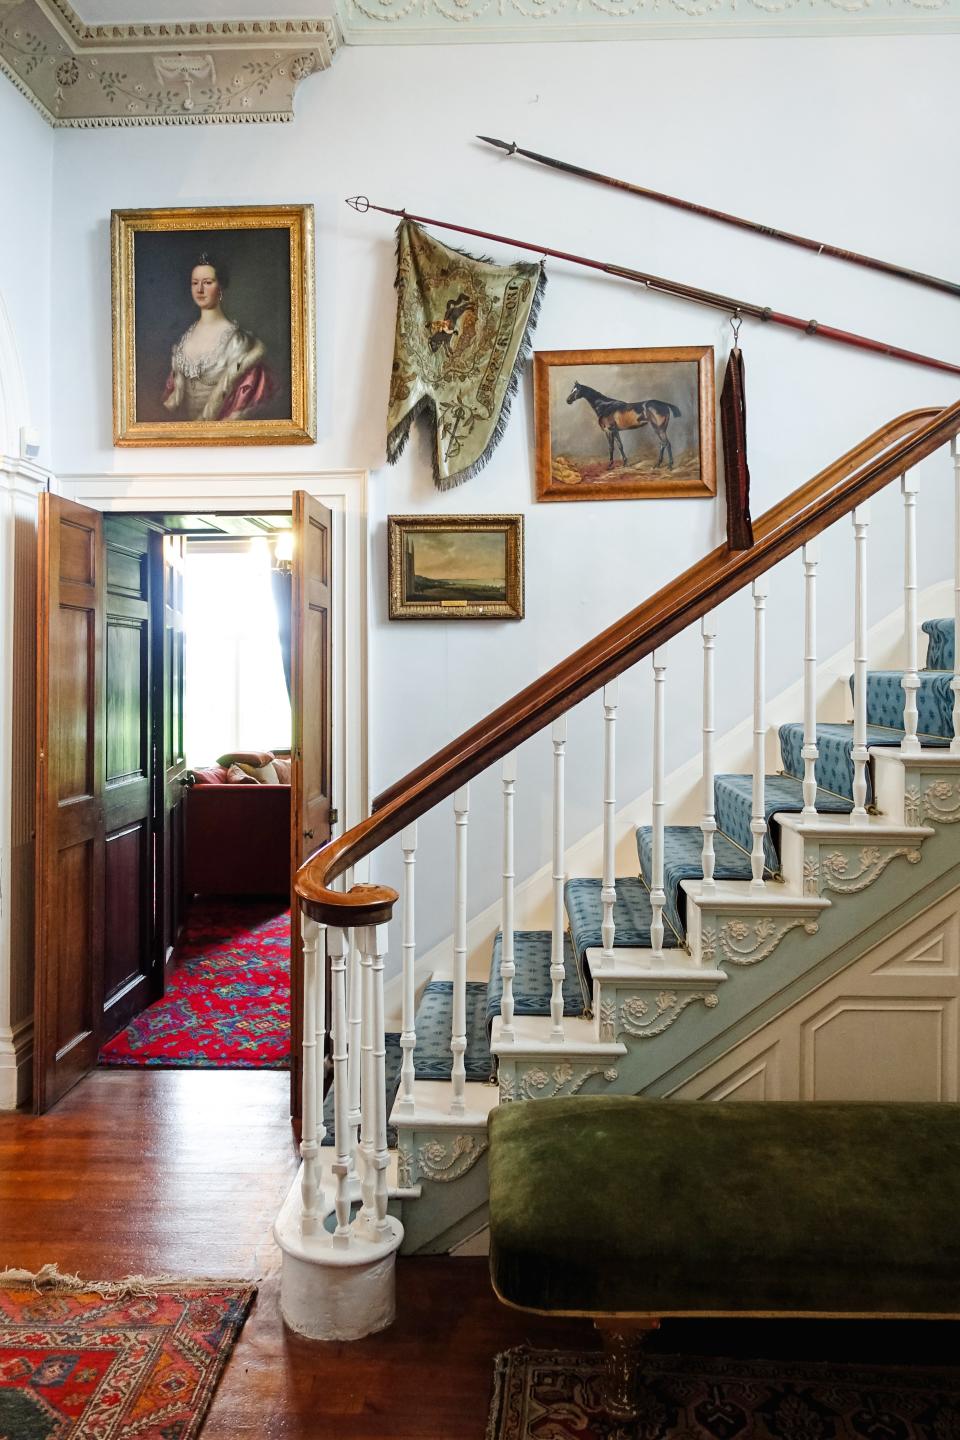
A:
<point x="51" y="1278"/>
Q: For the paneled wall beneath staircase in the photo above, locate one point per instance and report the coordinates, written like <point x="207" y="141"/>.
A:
<point x="884" y="1028"/>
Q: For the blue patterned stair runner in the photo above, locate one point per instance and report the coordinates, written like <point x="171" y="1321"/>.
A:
<point x="631" y="916"/>
<point x="940" y="642"/>
<point x="432" y="1059"/>
<point x="733" y="804"/>
<point x="834" y="767"/>
<point x="392" y="1063"/>
<point x="885" y="700"/>
<point x="532" y="984"/>
<point x="682" y="849"/>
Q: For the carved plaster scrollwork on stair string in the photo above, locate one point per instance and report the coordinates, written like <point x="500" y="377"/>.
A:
<point x="561" y="1082"/>
<point x="743" y="942"/>
<point x="937" y="800"/>
<point x="404" y="1167"/>
<point x="637" y="1020"/>
<point x="608" y="1019"/>
<point x="438" y="1161"/>
<point x="835" y="872"/>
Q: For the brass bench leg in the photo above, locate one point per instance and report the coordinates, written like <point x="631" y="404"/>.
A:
<point x="623" y="1342"/>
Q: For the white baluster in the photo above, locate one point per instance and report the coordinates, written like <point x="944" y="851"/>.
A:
<point x="368" y="1098"/>
<point x="758" y="809"/>
<point x="861" y="521"/>
<point x="608" y="889"/>
<point x="337" y="946"/>
<point x="354" y="1038"/>
<point x="559" y="737"/>
<point x="811" y="558"/>
<point x="507" y="964"/>
<point x="408" y="1036"/>
<point x="311" y="1191"/>
<point x="657" y="893"/>
<point x="381" y="1155"/>
<point x="708" y="631"/>
<point x="911" y="680"/>
<point x="458" y="1042"/>
<point x="955" y="683"/>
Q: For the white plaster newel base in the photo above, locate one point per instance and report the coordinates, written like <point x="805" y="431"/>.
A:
<point x="329" y="1292"/>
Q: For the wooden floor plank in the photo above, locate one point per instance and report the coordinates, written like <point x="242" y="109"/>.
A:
<point x="183" y="1172"/>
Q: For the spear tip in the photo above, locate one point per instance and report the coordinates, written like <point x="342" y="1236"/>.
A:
<point x="509" y="145"/>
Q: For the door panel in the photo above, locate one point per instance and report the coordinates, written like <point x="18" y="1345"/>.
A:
<point x="312" y="716"/>
<point x="130" y="982"/>
<point x="70" y="786"/>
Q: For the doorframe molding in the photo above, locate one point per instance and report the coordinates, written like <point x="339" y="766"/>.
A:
<point x="344" y="492"/>
<point x="22" y="481"/>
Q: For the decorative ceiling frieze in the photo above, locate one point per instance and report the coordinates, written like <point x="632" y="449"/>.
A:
<point x="379" y="22"/>
<point x="178" y="73"/>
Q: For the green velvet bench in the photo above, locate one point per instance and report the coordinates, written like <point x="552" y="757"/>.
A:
<point x="626" y="1210"/>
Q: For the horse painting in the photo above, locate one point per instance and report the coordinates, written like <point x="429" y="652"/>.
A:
<point x="616" y="415"/>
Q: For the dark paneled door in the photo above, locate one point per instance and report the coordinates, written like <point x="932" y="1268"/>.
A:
<point x="94" y="860"/>
<point x="168" y="563"/>
<point x="130" y="978"/>
<point x="71" y="757"/>
<point x="312" y="716"/>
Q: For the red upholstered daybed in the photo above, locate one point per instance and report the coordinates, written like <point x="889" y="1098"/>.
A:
<point x="237" y="839"/>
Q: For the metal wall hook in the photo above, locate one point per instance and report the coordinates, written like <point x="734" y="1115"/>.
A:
<point x="736" y="320"/>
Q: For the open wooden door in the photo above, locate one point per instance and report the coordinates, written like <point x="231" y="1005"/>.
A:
<point x="94" y="861"/>
<point x="70" y="811"/>
<point x="312" y="722"/>
<point x="169" y="552"/>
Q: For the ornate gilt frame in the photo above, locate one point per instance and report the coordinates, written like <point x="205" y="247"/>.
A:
<point x="403" y="609"/>
<point x="301" y="427"/>
<point x="614" y="488"/>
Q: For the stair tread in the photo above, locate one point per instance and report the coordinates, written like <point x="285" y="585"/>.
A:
<point x="392" y="1063"/>
<point x="834" y="766"/>
<point x="733" y="804"/>
<point x="940" y="644"/>
<point x="532" y="985"/>
<point x="631" y="915"/>
<point x="432" y="1058"/>
<point x="886" y="697"/>
<point x="682" y="852"/>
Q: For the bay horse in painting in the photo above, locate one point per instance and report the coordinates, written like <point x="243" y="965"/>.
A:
<point x="616" y="415"/>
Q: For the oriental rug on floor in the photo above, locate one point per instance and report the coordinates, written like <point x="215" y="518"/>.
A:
<point x="227" y="1000"/>
<point x="131" y="1361"/>
<point x="556" y="1394"/>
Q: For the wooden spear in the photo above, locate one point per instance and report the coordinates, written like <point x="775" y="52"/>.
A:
<point x="678" y="288"/>
<point x="933" y="282"/>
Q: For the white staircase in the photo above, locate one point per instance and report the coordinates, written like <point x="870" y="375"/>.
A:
<point x="772" y="951"/>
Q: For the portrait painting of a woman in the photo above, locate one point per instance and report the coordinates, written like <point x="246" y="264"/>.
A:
<point x="213" y="326"/>
<point x="217" y="370"/>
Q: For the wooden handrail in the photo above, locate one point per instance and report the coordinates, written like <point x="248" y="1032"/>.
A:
<point x="814" y="507"/>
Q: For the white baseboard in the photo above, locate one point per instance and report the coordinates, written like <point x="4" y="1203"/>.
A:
<point x="16" y="1065"/>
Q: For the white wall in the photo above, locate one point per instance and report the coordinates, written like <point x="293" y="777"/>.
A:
<point x="26" y="176"/>
<point x="839" y="138"/>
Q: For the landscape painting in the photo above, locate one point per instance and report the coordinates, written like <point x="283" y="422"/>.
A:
<point x="468" y="567"/>
<point x="625" y="424"/>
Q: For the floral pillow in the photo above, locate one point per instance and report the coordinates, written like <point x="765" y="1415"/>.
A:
<point x="236" y="775"/>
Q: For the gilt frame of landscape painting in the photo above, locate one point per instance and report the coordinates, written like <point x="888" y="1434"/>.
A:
<point x="455" y="567"/>
<point x="625" y="424"/>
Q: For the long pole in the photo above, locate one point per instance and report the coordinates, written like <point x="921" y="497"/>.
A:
<point x="917" y="277"/>
<point x="678" y="288"/>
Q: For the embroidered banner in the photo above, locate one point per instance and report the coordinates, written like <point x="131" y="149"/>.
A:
<point x="463" y="336"/>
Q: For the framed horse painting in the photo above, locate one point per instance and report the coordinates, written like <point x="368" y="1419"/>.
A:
<point x="625" y="424"/>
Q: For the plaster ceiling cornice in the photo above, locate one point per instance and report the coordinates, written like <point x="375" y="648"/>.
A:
<point x="174" y="73"/>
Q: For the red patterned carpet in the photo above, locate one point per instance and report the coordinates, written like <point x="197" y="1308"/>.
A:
<point x="81" y="1364"/>
<point x="227" y="1003"/>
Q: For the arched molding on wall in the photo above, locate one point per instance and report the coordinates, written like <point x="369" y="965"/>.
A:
<point x="14" y="403"/>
